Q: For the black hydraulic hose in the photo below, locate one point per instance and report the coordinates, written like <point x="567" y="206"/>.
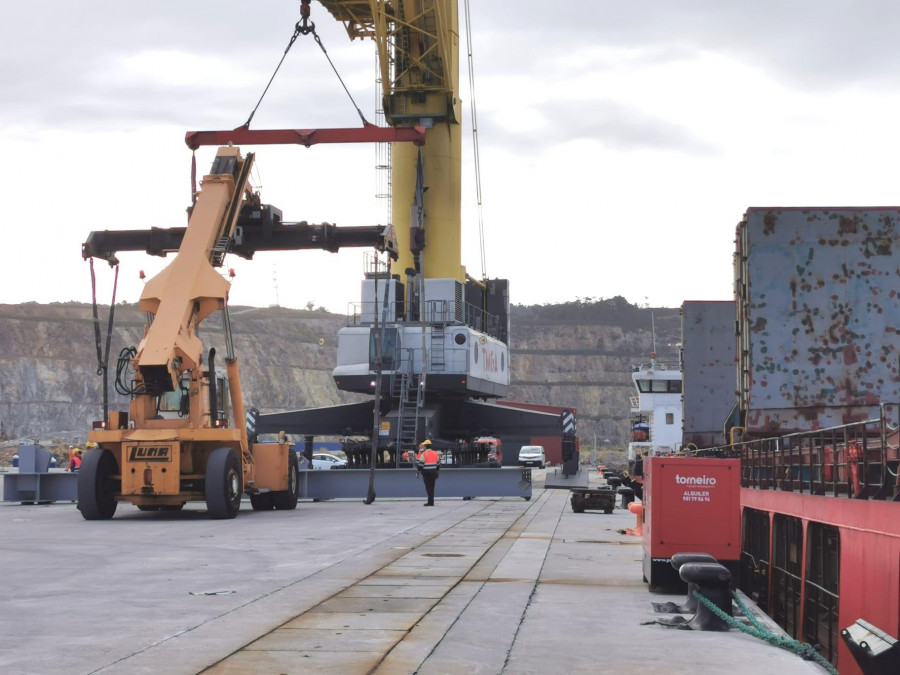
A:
<point x="125" y="357"/>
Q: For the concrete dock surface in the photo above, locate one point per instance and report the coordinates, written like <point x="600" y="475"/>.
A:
<point x="478" y="586"/>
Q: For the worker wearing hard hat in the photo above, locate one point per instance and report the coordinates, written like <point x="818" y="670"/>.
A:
<point x="74" y="458"/>
<point x="427" y="464"/>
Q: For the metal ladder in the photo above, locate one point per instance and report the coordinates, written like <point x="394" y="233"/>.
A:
<point x="218" y="251"/>
<point x="437" y="349"/>
<point x="406" y="391"/>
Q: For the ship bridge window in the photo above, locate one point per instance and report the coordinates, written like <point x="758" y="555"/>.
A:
<point x="659" y="386"/>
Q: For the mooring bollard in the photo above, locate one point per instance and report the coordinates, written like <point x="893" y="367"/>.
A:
<point x="677" y="561"/>
<point x="714" y="583"/>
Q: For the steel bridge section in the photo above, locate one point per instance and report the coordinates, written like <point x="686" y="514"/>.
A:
<point x="34" y="483"/>
<point x="404" y="483"/>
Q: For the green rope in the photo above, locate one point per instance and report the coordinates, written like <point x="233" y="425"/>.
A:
<point x="801" y="649"/>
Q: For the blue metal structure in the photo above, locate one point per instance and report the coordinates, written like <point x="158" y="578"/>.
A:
<point x="34" y="483"/>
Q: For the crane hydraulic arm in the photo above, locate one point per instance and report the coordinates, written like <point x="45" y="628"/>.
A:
<point x="189" y="289"/>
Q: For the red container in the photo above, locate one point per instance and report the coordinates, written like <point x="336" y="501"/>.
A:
<point x="690" y="506"/>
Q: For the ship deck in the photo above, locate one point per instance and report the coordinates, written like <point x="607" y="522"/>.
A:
<point x="477" y="586"/>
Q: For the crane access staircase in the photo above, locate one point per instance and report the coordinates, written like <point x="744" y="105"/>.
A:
<point x="410" y="398"/>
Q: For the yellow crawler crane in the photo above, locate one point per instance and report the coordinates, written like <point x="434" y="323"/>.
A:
<point x="177" y="444"/>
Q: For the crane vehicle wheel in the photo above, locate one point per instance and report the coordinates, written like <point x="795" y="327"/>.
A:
<point x="224" y="484"/>
<point x="96" y="486"/>
<point x="262" y="501"/>
<point x="287" y="500"/>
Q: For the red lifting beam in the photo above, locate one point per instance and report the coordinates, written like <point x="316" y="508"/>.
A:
<point x="369" y="133"/>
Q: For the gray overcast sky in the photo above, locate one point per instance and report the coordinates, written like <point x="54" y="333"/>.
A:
<point x="620" y="142"/>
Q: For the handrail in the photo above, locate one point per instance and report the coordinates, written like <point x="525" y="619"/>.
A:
<point x="859" y="460"/>
<point x="436" y="312"/>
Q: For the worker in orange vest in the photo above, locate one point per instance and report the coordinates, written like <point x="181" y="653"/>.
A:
<point x="74" y="459"/>
<point x="427" y="464"/>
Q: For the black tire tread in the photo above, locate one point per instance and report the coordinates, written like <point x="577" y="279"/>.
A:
<point x="286" y="500"/>
<point x="96" y="492"/>
<point x="222" y="461"/>
<point x="262" y="501"/>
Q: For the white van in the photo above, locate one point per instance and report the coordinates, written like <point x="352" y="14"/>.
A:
<point x="532" y="455"/>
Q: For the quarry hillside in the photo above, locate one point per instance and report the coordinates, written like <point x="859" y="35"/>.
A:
<point x="577" y="354"/>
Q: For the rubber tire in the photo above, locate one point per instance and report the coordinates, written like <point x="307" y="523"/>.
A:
<point x="578" y="506"/>
<point x="287" y="500"/>
<point x="607" y="511"/>
<point x="527" y="499"/>
<point x="96" y="487"/>
<point x="224" y="484"/>
<point x="262" y="502"/>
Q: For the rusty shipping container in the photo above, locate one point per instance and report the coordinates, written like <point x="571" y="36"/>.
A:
<point x="709" y="370"/>
<point x="818" y="316"/>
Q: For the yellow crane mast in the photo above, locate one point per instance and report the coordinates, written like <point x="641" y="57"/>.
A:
<point x="418" y="55"/>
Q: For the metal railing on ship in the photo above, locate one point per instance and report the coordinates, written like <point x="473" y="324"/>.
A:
<point x="859" y="460"/>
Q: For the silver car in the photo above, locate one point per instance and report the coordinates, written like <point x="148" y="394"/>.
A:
<point x="532" y="455"/>
<point x="324" y="460"/>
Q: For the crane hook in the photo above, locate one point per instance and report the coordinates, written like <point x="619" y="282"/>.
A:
<point x="304" y="25"/>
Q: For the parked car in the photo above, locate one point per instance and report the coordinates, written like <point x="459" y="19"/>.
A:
<point x="532" y="455"/>
<point x="324" y="460"/>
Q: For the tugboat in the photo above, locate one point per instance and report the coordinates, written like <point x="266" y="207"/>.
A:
<point x="656" y="415"/>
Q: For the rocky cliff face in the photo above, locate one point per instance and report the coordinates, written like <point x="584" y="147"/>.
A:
<point x="49" y="387"/>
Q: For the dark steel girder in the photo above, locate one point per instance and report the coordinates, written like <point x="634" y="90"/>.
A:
<point x="249" y="238"/>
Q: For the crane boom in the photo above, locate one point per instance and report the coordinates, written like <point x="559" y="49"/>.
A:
<point x="189" y="289"/>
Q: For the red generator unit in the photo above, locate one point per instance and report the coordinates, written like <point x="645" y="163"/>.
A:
<point x="691" y="505"/>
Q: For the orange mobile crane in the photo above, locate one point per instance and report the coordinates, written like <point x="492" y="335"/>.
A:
<point x="178" y="443"/>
